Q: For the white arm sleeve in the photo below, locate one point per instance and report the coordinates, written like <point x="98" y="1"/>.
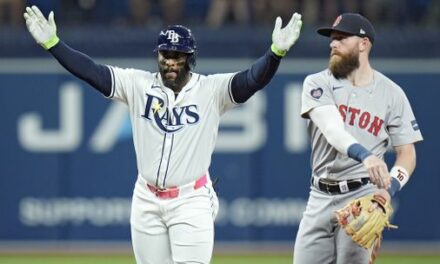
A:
<point x="329" y="121"/>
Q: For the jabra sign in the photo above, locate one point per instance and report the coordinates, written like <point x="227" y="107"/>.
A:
<point x="248" y="121"/>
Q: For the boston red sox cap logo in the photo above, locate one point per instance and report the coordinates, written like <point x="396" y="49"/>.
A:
<point x="172" y="35"/>
<point x="337" y="21"/>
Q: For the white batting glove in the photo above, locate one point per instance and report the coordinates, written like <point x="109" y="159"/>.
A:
<point x="43" y="30"/>
<point x="284" y="38"/>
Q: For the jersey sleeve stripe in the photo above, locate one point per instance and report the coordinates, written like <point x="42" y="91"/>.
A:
<point x="230" y="91"/>
<point x="112" y="93"/>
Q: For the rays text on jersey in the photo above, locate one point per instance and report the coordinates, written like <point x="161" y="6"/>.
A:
<point x="169" y="120"/>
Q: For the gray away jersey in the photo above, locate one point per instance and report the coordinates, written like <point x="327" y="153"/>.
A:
<point x="173" y="137"/>
<point x="378" y="116"/>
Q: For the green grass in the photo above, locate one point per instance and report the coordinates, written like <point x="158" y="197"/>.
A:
<point x="286" y="259"/>
<point x="218" y="259"/>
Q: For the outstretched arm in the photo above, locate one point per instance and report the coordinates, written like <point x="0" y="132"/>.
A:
<point x="245" y="83"/>
<point x="82" y="66"/>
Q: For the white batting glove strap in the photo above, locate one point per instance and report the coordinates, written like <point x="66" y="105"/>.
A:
<point x="42" y="30"/>
<point x="284" y="38"/>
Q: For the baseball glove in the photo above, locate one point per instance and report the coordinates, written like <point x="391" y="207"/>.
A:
<point x="364" y="220"/>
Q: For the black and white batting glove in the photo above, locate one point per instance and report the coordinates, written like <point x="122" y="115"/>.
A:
<point x="284" y="38"/>
<point x="43" y="30"/>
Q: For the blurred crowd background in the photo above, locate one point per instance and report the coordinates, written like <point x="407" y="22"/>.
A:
<point x="222" y="13"/>
<point x="238" y="28"/>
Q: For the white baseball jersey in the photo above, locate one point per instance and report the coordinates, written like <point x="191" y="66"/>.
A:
<point x="173" y="137"/>
<point x="378" y="116"/>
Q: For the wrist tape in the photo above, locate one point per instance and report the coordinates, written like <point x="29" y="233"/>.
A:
<point x="400" y="174"/>
<point x="51" y="42"/>
<point x="358" y="152"/>
<point x="280" y="53"/>
<point x="399" y="177"/>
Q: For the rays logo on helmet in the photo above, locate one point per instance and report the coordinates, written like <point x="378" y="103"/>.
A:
<point x="178" y="38"/>
<point x="171" y="35"/>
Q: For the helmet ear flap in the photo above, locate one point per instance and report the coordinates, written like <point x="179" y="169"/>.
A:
<point x="191" y="60"/>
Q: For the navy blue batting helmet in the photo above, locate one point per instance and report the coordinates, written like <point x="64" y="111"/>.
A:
<point x="178" y="38"/>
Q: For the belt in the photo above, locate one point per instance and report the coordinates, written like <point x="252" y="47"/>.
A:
<point x="338" y="187"/>
<point x="173" y="192"/>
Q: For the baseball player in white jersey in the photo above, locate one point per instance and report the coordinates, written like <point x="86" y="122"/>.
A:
<point x="354" y="114"/>
<point x="175" y="115"/>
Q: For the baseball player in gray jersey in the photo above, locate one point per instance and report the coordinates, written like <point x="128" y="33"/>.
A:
<point x="175" y="115"/>
<point x="354" y="114"/>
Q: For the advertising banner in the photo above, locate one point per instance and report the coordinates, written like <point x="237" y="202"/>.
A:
<point x="68" y="164"/>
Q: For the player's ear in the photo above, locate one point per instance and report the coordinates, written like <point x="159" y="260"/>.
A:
<point x="364" y="44"/>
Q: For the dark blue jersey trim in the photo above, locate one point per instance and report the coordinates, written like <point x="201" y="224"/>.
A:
<point x="113" y="84"/>
<point x="160" y="162"/>
<point x="169" y="159"/>
<point x="230" y="91"/>
<point x="163" y="147"/>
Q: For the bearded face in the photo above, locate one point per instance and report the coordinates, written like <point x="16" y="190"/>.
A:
<point x="173" y="69"/>
<point x="341" y="65"/>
